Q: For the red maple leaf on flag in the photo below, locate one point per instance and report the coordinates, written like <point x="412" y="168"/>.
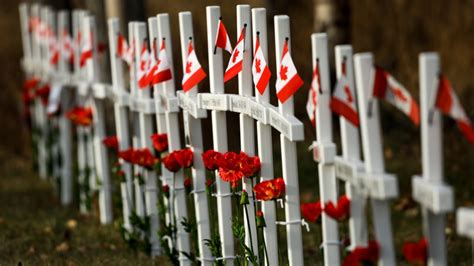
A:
<point x="283" y="71"/>
<point x="398" y="93"/>
<point x="188" y="67"/>
<point x="257" y="65"/>
<point x="143" y="65"/>
<point x="348" y="94"/>
<point x="234" y="57"/>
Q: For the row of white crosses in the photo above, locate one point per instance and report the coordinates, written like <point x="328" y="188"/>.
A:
<point x="364" y="179"/>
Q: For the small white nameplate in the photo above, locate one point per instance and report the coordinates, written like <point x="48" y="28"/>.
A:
<point x="324" y="152"/>
<point x="211" y="101"/>
<point x="238" y="104"/>
<point x="436" y="197"/>
<point x="189" y="103"/>
<point x="380" y="186"/>
<point x="257" y="111"/>
<point x="348" y="170"/>
<point x="465" y="222"/>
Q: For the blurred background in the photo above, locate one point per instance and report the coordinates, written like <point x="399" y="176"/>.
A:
<point x="394" y="31"/>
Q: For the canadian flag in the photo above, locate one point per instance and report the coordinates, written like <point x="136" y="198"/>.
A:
<point x="313" y="95"/>
<point x="86" y="51"/>
<point x="386" y="87"/>
<point x="222" y="38"/>
<point x="54" y="52"/>
<point x="193" y="73"/>
<point x="237" y="57"/>
<point x="288" y="80"/>
<point x="143" y="67"/>
<point x="260" y="70"/>
<point x="343" y="101"/>
<point x="161" y="70"/>
<point x="68" y="46"/>
<point x="124" y="52"/>
<point x="448" y="103"/>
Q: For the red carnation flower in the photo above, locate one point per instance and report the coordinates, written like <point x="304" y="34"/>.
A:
<point x="270" y="189"/>
<point x="80" y="116"/>
<point x="111" y="143"/>
<point x="43" y="93"/>
<point x="416" y="252"/>
<point x="126" y="155"/>
<point x="363" y="255"/>
<point x="340" y="212"/>
<point x="311" y="211"/>
<point x="185" y="157"/>
<point x="229" y="168"/>
<point x="171" y="163"/>
<point x="249" y="166"/>
<point x="160" y="142"/>
<point x="144" y="158"/>
<point x="212" y="159"/>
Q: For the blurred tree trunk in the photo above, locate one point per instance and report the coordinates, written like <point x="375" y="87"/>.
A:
<point x="333" y="17"/>
<point x="126" y="11"/>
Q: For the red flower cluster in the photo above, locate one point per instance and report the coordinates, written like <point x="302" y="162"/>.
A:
<point x="179" y="159"/>
<point x="142" y="157"/>
<point x="311" y="211"/>
<point x="363" y="255"/>
<point x="160" y="142"/>
<point x="43" y="93"/>
<point x="340" y="212"/>
<point x="29" y="87"/>
<point x="270" y="190"/>
<point x="111" y="143"/>
<point x="416" y="253"/>
<point x="80" y="116"/>
<point x="211" y="159"/>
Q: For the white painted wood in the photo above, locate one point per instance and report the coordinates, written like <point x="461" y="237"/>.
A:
<point x="289" y="157"/>
<point x="126" y="201"/>
<point x="166" y="176"/>
<point x="120" y="111"/>
<point x="432" y="157"/>
<point x="373" y="154"/>
<point x="100" y="151"/>
<point x="247" y="125"/>
<point x="193" y="137"/>
<point x="219" y="134"/>
<point x="168" y="90"/>
<point x="25" y="36"/>
<point x="465" y="222"/>
<point x="264" y="141"/>
<point x="146" y="130"/>
<point x="327" y="176"/>
<point x="350" y="141"/>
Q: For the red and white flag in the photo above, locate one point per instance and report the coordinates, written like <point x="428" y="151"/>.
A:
<point x="288" y="80"/>
<point x="237" y="57"/>
<point x="388" y="88"/>
<point x="68" y="46"/>
<point x="86" y="50"/>
<point x="124" y="51"/>
<point x="448" y="103"/>
<point x="313" y="95"/>
<point x="343" y="100"/>
<point x="54" y="52"/>
<point x="143" y="67"/>
<point x="260" y="70"/>
<point x="193" y="73"/>
<point x="161" y="70"/>
<point x="222" y="38"/>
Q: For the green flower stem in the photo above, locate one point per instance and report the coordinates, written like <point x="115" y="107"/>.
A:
<point x="248" y="225"/>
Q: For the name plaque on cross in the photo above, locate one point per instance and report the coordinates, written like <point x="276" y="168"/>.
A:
<point x="257" y="111"/>
<point x="436" y="197"/>
<point x="218" y="102"/>
<point x="239" y="104"/>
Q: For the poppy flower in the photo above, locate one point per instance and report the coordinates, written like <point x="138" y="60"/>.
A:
<point x="363" y="255"/>
<point x="166" y="190"/>
<point x="249" y="166"/>
<point x="30" y="84"/>
<point x="229" y="169"/>
<point x="340" y="212"/>
<point x="144" y="158"/>
<point x="111" y="143"/>
<point x="185" y="157"/>
<point x="270" y="189"/>
<point x="160" y="142"/>
<point x="43" y="93"/>
<point x="80" y="116"/>
<point x="187" y="185"/>
<point x="211" y="159"/>
<point x="416" y="253"/>
<point x="126" y="155"/>
<point x="311" y="211"/>
<point x="171" y="163"/>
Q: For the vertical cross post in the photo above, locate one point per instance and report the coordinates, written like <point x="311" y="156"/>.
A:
<point x="373" y="155"/>
<point x="193" y="135"/>
<point x="288" y="156"/>
<point x="219" y="135"/>
<point x="326" y="149"/>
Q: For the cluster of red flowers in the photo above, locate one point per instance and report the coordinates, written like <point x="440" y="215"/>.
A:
<point x="340" y="212"/>
<point x="142" y="157"/>
<point x="29" y="87"/>
<point x="232" y="166"/>
<point x="80" y="116"/>
<point x="111" y="143"/>
<point x="416" y="252"/>
<point x="270" y="190"/>
<point x="43" y="93"/>
<point x="178" y="159"/>
<point x="363" y="255"/>
<point x="160" y="142"/>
